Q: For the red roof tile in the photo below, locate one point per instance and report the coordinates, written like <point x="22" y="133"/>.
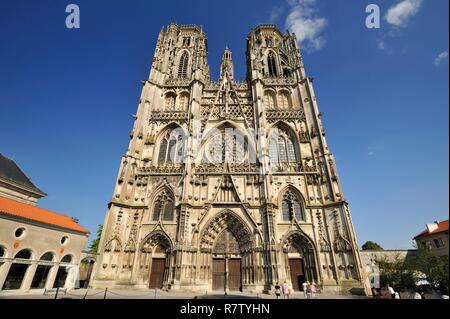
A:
<point x="25" y="211"/>
<point x="442" y="226"/>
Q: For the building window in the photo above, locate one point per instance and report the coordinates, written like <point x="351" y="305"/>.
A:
<point x="183" y="101"/>
<point x="67" y="259"/>
<point x="42" y="271"/>
<point x="183" y="65"/>
<point x="439" y="243"/>
<point x="20" y="233"/>
<point x="282" y="148"/>
<point x="170" y="101"/>
<point x="23" y="254"/>
<point x="269" y="41"/>
<point x="186" y="41"/>
<point x="271" y="63"/>
<point x="269" y="100"/>
<point x="291" y="207"/>
<point x="17" y="271"/>
<point x="226" y="147"/>
<point x="171" y="148"/>
<point x="283" y="100"/>
<point x="64" y="240"/>
<point x="164" y="205"/>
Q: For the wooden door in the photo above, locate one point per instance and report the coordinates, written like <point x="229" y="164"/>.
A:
<point x="218" y="274"/>
<point x="234" y="274"/>
<point x="157" y="273"/>
<point x="297" y="274"/>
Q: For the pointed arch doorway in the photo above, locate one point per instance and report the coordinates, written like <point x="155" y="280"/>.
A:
<point x="156" y="254"/>
<point x="300" y="260"/>
<point x="226" y="263"/>
<point x="226" y="251"/>
<point x="158" y="267"/>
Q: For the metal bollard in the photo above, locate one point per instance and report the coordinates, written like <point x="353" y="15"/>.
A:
<point x="85" y="295"/>
<point x="57" y="291"/>
<point x="106" y="291"/>
<point x="155" y="294"/>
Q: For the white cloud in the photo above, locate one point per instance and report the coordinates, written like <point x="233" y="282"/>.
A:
<point x="399" y="14"/>
<point x="306" y="24"/>
<point x="381" y="45"/>
<point x="441" y="57"/>
<point x="371" y="151"/>
<point x="275" y="13"/>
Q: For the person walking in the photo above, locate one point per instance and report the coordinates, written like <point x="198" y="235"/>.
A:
<point x="417" y="295"/>
<point x="391" y="291"/>
<point x="313" y="290"/>
<point x="285" y="290"/>
<point x="277" y="290"/>
<point x="305" y="289"/>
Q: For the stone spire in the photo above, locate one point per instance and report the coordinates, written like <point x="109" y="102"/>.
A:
<point x="226" y="66"/>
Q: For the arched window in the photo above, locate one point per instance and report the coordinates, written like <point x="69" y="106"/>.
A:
<point x="170" y="101"/>
<point x="291" y="207"/>
<point x="67" y="259"/>
<point x="164" y="207"/>
<point x="225" y="147"/>
<point x="183" y="65"/>
<point x="171" y="148"/>
<point x="282" y="148"/>
<point x="183" y="101"/>
<point x="48" y="256"/>
<point x="23" y="254"/>
<point x="283" y="100"/>
<point x="269" y="100"/>
<point x="272" y="65"/>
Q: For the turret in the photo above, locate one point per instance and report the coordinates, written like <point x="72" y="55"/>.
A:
<point x="226" y="66"/>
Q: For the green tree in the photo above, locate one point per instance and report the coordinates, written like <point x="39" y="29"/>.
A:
<point x="94" y="244"/>
<point x="398" y="273"/>
<point x="434" y="268"/>
<point x="370" y="245"/>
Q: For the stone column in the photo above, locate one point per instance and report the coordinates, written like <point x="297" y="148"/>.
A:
<point x="51" y="276"/>
<point x="4" y="270"/>
<point x="29" y="274"/>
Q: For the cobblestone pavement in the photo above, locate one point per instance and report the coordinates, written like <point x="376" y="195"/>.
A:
<point x="152" y="294"/>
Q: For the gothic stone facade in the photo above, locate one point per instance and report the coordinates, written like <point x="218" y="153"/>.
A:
<point x="227" y="185"/>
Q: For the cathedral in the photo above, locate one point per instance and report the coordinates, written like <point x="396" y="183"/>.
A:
<point x="228" y="185"/>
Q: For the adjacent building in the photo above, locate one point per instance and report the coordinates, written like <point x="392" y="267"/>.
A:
<point x="434" y="237"/>
<point x="38" y="248"/>
<point x="228" y="185"/>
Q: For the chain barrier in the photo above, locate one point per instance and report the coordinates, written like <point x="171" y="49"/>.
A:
<point x="154" y="293"/>
<point x="107" y="292"/>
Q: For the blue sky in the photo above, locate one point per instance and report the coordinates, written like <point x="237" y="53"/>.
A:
<point x="67" y="96"/>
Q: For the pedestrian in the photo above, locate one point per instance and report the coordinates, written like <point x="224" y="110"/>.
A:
<point x="396" y="295"/>
<point x="285" y="290"/>
<point x="277" y="290"/>
<point x="305" y="289"/>
<point x="417" y="295"/>
<point x="391" y="291"/>
<point x="313" y="290"/>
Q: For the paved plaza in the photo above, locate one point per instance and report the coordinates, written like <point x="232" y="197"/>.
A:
<point x="156" y="294"/>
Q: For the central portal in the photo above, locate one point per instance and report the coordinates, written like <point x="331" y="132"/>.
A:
<point x="226" y="274"/>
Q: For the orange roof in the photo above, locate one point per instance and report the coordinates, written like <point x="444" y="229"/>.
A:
<point x="442" y="226"/>
<point x="25" y="211"/>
